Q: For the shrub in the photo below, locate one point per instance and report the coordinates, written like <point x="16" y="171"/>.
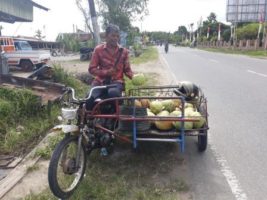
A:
<point x="248" y="31"/>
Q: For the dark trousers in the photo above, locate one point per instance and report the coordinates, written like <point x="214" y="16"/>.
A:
<point x="104" y="94"/>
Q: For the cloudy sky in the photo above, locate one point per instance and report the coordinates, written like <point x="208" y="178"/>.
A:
<point x="164" y="15"/>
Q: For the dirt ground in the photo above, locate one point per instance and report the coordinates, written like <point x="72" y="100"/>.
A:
<point x="36" y="180"/>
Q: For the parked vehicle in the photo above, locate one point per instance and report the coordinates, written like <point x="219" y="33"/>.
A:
<point x="86" y="53"/>
<point x="21" y="55"/>
<point x="22" y="45"/>
<point x="97" y="129"/>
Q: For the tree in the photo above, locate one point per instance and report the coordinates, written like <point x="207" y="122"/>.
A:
<point x="38" y="34"/>
<point x="212" y="18"/>
<point x="86" y="14"/>
<point x="122" y="12"/>
<point x="182" y="30"/>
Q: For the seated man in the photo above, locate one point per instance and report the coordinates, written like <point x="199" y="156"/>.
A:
<point x="108" y="65"/>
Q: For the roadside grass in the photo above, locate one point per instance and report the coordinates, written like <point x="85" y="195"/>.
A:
<point x="149" y="54"/>
<point x="33" y="168"/>
<point x="45" y="151"/>
<point x="35" y="128"/>
<point x="146" y="175"/>
<point x="253" y="53"/>
<point x="69" y="79"/>
<point x="23" y="121"/>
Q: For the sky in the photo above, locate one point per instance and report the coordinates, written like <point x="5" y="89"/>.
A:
<point x="164" y="15"/>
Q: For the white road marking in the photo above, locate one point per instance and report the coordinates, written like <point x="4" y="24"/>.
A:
<point x="228" y="174"/>
<point x="224" y="167"/>
<point x="259" y="74"/>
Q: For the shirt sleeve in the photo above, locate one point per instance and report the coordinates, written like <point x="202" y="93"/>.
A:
<point x="94" y="65"/>
<point x="127" y="68"/>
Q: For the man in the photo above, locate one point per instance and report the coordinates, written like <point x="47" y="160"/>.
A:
<point x="108" y="64"/>
<point x="166" y="47"/>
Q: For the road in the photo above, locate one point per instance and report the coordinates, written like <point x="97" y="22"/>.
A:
<point x="234" y="167"/>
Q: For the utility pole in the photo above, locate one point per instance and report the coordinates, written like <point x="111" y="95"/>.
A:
<point x="94" y="21"/>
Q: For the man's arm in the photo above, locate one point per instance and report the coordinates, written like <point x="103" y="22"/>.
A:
<point x="94" y="66"/>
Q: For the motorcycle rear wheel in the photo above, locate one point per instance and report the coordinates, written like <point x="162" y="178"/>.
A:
<point x="63" y="177"/>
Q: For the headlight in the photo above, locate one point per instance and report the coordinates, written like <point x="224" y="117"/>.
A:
<point x="69" y="113"/>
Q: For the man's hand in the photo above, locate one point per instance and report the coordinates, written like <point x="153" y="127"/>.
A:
<point x="111" y="72"/>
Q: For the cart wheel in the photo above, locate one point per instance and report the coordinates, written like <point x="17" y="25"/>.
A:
<point x="202" y="141"/>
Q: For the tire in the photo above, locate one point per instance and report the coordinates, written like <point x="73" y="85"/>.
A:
<point x="202" y="140"/>
<point x="26" y="65"/>
<point x="57" y="173"/>
<point x="84" y="57"/>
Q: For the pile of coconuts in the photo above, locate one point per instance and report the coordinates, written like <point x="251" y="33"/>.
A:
<point x="172" y="108"/>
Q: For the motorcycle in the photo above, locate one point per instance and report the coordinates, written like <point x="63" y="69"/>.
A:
<point x="86" y="53"/>
<point x="68" y="161"/>
<point x="166" y="48"/>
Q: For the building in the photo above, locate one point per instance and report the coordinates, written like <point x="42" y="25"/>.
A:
<point x="12" y="11"/>
<point x="246" y="11"/>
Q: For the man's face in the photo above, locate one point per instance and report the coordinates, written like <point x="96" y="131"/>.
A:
<point x="113" y="39"/>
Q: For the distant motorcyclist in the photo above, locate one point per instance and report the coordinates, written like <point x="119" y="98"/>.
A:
<point x="166" y="47"/>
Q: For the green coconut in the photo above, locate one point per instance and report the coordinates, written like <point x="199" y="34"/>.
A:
<point x="163" y="125"/>
<point x="168" y="105"/>
<point x="156" y="106"/>
<point x="201" y="120"/>
<point x="138" y="79"/>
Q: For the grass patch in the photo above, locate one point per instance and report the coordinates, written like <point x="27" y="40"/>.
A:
<point x="253" y="53"/>
<point x="24" y="121"/>
<point x="20" y="140"/>
<point x="32" y="168"/>
<point x="69" y="79"/>
<point x="149" y="54"/>
<point x="46" y="151"/>
<point x="145" y="175"/>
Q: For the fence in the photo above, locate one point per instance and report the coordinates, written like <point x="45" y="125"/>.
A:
<point x="241" y="44"/>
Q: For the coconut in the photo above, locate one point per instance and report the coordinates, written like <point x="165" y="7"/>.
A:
<point x="176" y="124"/>
<point x="137" y="103"/>
<point x="177" y="102"/>
<point x="168" y="105"/>
<point x="188" y="125"/>
<point x="156" y="106"/>
<point x="188" y="112"/>
<point x="138" y="79"/>
<point x="188" y="105"/>
<point x="163" y="125"/>
<point x="145" y="103"/>
<point x="150" y="113"/>
<point x="201" y="122"/>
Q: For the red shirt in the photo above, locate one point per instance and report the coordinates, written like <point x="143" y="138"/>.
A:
<point x="102" y="60"/>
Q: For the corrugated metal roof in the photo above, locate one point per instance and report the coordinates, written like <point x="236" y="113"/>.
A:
<point x="11" y="11"/>
<point x="38" y="6"/>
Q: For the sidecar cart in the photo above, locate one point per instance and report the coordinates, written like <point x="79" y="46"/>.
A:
<point x="138" y="119"/>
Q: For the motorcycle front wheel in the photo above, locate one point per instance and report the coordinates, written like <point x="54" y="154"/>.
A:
<point x="65" y="170"/>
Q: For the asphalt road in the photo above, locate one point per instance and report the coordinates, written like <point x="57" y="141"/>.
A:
<point x="235" y="163"/>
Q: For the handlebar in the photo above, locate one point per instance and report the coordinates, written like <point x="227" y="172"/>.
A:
<point x="74" y="99"/>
